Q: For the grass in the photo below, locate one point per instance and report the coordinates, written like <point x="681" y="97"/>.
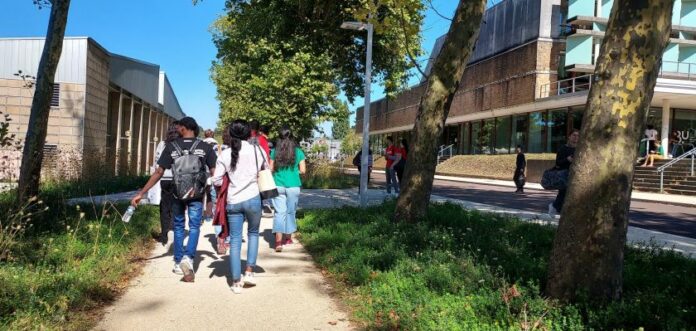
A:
<point x="95" y="187"/>
<point x="463" y="270"/>
<point x="68" y="260"/>
<point x="324" y="175"/>
<point x="499" y="166"/>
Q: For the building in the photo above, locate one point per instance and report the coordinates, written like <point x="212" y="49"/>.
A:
<point x="108" y="111"/>
<point x="528" y="79"/>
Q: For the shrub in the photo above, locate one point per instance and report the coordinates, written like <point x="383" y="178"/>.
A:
<point x="324" y="175"/>
<point x="463" y="270"/>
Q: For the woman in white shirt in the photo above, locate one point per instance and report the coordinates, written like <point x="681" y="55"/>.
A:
<point x="651" y="136"/>
<point x="241" y="162"/>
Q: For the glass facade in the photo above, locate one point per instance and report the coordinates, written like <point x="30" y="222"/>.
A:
<point x="537" y="132"/>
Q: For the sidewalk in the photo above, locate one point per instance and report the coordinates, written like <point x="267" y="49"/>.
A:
<point x="291" y="293"/>
<point x="684" y="200"/>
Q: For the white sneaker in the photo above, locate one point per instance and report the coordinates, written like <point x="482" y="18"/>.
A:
<point x="237" y="287"/>
<point x="552" y="210"/>
<point x="248" y="278"/>
<point x="187" y="267"/>
<point x="177" y="269"/>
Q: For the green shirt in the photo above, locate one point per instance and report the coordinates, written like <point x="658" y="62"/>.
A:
<point x="289" y="176"/>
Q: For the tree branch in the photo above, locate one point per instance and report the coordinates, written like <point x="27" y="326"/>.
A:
<point x="406" y="41"/>
<point x="430" y="3"/>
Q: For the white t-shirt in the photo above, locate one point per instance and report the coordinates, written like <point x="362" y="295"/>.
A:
<point x="243" y="179"/>
<point x="158" y="153"/>
<point x="651" y="134"/>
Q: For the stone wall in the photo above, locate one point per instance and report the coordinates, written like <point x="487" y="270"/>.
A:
<point x="95" y="161"/>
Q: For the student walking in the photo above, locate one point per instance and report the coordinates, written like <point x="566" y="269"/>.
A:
<point x="288" y="163"/>
<point x="520" y="166"/>
<point x="166" y="188"/>
<point x="188" y="158"/>
<point x="392" y="154"/>
<point x="564" y="158"/>
<point x="210" y="192"/>
<point x="358" y="158"/>
<point x="240" y="163"/>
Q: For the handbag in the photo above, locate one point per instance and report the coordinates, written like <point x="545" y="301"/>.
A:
<point x="554" y="179"/>
<point x="521" y="180"/>
<point x="267" y="186"/>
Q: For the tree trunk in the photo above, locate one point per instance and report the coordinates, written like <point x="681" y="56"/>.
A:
<point x="32" y="156"/>
<point x="442" y="84"/>
<point x="587" y="254"/>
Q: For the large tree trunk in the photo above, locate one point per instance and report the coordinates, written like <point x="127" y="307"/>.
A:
<point x="32" y="156"/>
<point x="588" y="249"/>
<point x="443" y="82"/>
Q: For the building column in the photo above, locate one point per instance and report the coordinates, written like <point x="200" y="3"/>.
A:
<point x="138" y="169"/>
<point x="118" y="131"/>
<point x="155" y="134"/>
<point x="664" y="136"/>
<point x="596" y="43"/>
<point x="130" y="133"/>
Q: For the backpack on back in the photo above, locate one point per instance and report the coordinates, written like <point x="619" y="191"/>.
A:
<point x="189" y="175"/>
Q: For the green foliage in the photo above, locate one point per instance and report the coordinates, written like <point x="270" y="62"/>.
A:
<point x="319" y="146"/>
<point x="6" y="138"/>
<point x="58" y="276"/>
<point x="463" y="270"/>
<point x="324" y="175"/>
<point x="283" y="62"/>
<point x="351" y="143"/>
<point x="341" y="125"/>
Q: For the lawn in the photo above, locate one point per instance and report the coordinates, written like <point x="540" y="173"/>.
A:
<point x="66" y="261"/>
<point x="463" y="270"/>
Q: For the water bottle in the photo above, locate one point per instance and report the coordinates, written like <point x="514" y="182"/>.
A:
<point x="127" y="215"/>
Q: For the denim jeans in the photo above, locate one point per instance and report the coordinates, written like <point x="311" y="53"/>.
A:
<point x="236" y="213"/>
<point x="195" y="213"/>
<point x="285" y="205"/>
<point x="391" y="180"/>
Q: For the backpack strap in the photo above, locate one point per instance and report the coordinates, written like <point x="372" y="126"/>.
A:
<point x="194" y="145"/>
<point x="178" y="148"/>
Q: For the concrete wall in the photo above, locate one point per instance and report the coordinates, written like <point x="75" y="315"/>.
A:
<point x="96" y="113"/>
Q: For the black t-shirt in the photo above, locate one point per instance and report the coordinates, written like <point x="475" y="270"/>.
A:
<point x="562" y="157"/>
<point x="521" y="161"/>
<point x="203" y="150"/>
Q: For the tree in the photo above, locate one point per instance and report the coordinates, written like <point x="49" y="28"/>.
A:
<point x="32" y="154"/>
<point x="285" y="60"/>
<point x="433" y="109"/>
<point x="351" y="143"/>
<point x="341" y="124"/>
<point x="587" y="254"/>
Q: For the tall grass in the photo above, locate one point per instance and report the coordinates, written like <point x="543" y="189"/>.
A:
<point x="324" y="175"/>
<point x="462" y="270"/>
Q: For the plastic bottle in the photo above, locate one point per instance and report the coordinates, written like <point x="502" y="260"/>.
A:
<point x="127" y="215"/>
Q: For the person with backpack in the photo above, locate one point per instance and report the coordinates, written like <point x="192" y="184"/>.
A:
<point x="210" y="140"/>
<point x="259" y="137"/>
<point x="166" y="190"/>
<point x="187" y="157"/>
<point x="239" y="165"/>
<point x="288" y="163"/>
<point x="401" y="164"/>
<point x="357" y="159"/>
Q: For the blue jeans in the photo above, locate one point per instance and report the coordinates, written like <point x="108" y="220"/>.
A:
<point x="391" y="180"/>
<point x="285" y="205"/>
<point x="236" y="213"/>
<point x="195" y="213"/>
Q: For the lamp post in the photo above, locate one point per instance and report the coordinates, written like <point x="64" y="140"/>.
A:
<point x="358" y="26"/>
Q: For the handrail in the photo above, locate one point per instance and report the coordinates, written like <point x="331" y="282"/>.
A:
<point x="662" y="168"/>
<point x="442" y="152"/>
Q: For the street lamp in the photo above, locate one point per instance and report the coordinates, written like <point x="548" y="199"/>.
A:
<point x="358" y="26"/>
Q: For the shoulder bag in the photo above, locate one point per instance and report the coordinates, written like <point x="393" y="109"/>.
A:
<point x="267" y="186"/>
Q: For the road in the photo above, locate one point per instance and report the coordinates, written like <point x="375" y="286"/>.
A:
<point x="676" y="220"/>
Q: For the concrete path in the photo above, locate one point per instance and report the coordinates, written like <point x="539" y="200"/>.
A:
<point x="290" y="294"/>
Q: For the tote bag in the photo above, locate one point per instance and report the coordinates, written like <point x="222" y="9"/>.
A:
<point x="554" y="179"/>
<point x="267" y="186"/>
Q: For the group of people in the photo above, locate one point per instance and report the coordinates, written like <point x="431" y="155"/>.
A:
<point x="395" y="156"/>
<point x="190" y="171"/>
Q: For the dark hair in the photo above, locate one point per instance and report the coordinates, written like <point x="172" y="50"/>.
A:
<point x="239" y="131"/>
<point x="405" y="143"/>
<point x="172" y="132"/>
<point x="226" y="135"/>
<point x="285" y="149"/>
<point x="390" y="139"/>
<point x="263" y="129"/>
<point x="190" y="124"/>
<point x="209" y="133"/>
<point x="573" y="131"/>
<point x="650" y="127"/>
<point x="254" y="125"/>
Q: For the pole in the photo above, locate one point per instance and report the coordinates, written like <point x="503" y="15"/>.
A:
<point x="366" y="121"/>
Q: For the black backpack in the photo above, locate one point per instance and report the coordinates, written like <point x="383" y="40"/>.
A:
<point x="189" y="175"/>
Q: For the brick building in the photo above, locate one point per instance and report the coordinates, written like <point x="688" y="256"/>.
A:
<point x="108" y="111"/>
<point x="528" y="79"/>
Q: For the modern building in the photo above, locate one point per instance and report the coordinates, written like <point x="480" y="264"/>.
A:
<point x="108" y="111"/>
<point x="528" y="78"/>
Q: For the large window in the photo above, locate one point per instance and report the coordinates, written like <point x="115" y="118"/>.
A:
<point x="502" y="135"/>
<point x="684" y="124"/>
<point x="466" y="142"/>
<point x="537" y="132"/>
<point x="476" y="147"/>
<point x="576" y="114"/>
<point x="558" y="127"/>
<point x="520" y="124"/>
<point x="487" y="136"/>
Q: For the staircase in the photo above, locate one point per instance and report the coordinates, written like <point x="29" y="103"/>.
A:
<point x="677" y="180"/>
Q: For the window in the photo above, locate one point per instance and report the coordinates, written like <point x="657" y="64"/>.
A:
<point x="475" y="138"/>
<point x="537" y="132"/>
<point x="55" y="96"/>
<point x="487" y="136"/>
<point x="464" y="148"/>
<point x="520" y="124"/>
<point x="502" y="135"/>
<point x="557" y="122"/>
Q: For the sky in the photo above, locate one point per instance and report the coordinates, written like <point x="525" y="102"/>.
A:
<point x="173" y="34"/>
